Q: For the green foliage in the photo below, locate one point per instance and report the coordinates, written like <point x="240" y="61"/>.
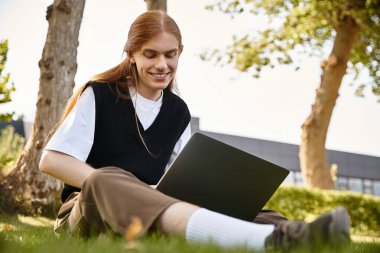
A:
<point x="301" y="26"/>
<point x="11" y="145"/>
<point x="6" y="88"/>
<point x="303" y="203"/>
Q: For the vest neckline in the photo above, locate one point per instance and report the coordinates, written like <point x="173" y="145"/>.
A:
<point x="156" y="122"/>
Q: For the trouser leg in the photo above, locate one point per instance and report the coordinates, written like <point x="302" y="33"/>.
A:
<point x="110" y="197"/>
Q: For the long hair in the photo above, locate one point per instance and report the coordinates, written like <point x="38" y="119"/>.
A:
<point x="144" y="28"/>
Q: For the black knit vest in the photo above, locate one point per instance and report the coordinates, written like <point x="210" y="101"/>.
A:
<point x="117" y="142"/>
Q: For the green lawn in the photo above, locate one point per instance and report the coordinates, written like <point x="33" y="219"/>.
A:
<point x="35" y="234"/>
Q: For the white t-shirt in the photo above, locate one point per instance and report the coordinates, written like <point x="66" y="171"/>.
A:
<point x="76" y="134"/>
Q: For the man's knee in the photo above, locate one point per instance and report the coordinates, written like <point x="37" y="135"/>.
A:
<point x="104" y="177"/>
<point x="97" y="178"/>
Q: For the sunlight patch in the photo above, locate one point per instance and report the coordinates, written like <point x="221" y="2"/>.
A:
<point x="6" y="227"/>
<point x="35" y="221"/>
<point x="363" y="238"/>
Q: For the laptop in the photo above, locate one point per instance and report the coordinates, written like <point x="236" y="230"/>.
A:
<point x="221" y="178"/>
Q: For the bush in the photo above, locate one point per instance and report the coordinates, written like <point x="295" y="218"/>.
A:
<point x="305" y="204"/>
<point x="11" y="145"/>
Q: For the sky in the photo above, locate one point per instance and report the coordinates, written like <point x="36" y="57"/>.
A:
<point x="272" y="107"/>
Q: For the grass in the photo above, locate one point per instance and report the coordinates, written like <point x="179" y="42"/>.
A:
<point x="35" y="234"/>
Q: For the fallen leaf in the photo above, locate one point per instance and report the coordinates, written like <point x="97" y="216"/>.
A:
<point x="134" y="229"/>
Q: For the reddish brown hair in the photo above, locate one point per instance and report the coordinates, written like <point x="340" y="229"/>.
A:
<point x="145" y="27"/>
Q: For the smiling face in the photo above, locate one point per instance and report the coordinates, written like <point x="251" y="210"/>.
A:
<point x="156" y="64"/>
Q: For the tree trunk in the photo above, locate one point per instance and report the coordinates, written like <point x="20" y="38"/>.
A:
<point x="26" y="189"/>
<point x="156" y="5"/>
<point x="313" y="158"/>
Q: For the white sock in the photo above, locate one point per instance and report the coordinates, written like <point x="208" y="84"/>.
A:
<point x="207" y="226"/>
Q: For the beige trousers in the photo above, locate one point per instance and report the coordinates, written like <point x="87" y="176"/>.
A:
<point x="109" y="200"/>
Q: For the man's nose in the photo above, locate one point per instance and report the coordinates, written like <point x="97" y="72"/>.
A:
<point x="161" y="62"/>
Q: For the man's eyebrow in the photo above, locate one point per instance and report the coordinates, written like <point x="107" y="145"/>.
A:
<point x="154" y="51"/>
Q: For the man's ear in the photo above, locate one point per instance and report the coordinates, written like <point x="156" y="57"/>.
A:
<point x="131" y="58"/>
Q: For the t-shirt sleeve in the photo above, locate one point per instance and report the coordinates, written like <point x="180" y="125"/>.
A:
<point x="75" y="136"/>
<point x="181" y="143"/>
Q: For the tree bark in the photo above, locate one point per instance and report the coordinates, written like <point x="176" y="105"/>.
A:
<point x="156" y="5"/>
<point x="26" y="189"/>
<point x="313" y="158"/>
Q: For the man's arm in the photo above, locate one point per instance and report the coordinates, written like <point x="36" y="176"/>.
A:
<point x="65" y="168"/>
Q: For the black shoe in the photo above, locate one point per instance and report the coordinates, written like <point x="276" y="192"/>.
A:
<point x="332" y="228"/>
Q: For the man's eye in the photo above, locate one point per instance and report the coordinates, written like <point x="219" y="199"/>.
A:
<point x="149" y="55"/>
<point x="171" y="54"/>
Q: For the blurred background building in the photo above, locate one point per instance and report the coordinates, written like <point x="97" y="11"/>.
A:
<point x="355" y="172"/>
